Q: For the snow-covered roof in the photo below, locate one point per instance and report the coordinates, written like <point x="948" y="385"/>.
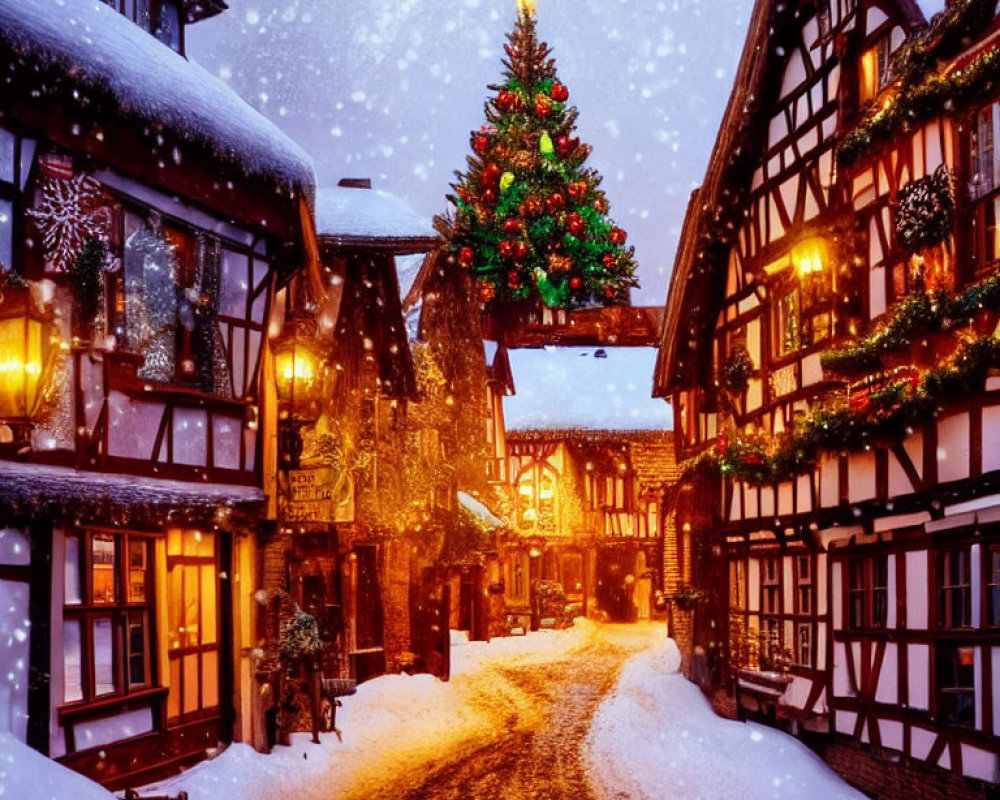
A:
<point x="372" y="216"/>
<point x="480" y="512"/>
<point x="106" y="53"/>
<point x="585" y="388"/>
<point x="37" y="484"/>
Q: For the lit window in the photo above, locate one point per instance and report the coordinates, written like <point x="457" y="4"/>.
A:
<point x="107" y="615"/>
<point x="874" y="70"/>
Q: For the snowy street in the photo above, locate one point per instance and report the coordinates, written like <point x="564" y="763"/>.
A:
<point x="544" y="715"/>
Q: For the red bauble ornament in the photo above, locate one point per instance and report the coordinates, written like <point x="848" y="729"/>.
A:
<point x="491" y="174"/>
<point x="531" y="207"/>
<point x="506" y="249"/>
<point x="609" y="260"/>
<point x="520" y="250"/>
<point x="577" y="189"/>
<point x="489" y="197"/>
<point x="559" y="92"/>
<point x="542" y="106"/>
<point x="465" y="256"/>
<point x="575" y="224"/>
<point x="504" y="99"/>
<point x="564" y="146"/>
<point x="575" y="282"/>
<point x="609" y="291"/>
<point x="480" y="143"/>
<point x="512" y="226"/>
<point x="555" y="202"/>
<point x="617" y="236"/>
<point x="486" y="291"/>
<point x="513" y="279"/>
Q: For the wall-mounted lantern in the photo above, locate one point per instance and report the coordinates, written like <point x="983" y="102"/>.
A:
<point x="298" y="382"/>
<point x="29" y="343"/>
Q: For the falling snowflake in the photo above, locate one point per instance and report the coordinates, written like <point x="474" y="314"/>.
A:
<point x="71" y="211"/>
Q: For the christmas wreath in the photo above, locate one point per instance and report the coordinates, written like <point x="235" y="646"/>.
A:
<point x="299" y="637"/>
<point x="926" y="210"/>
<point x="737" y="370"/>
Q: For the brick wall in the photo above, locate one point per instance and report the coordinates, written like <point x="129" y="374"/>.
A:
<point x="884" y="779"/>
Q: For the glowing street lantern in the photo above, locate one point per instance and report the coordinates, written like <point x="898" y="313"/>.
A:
<point x="809" y="256"/>
<point x="28" y="344"/>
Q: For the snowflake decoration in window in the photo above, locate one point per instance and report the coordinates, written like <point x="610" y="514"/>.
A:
<point x="70" y="211"/>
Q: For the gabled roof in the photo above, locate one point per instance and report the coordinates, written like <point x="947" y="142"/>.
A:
<point x="372" y="218"/>
<point x="698" y="274"/>
<point x="586" y="389"/>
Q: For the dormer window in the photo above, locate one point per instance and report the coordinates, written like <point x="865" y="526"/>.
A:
<point x="162" y="18"/>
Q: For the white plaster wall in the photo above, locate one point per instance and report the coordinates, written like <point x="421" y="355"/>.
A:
<point x="821" y="582"/>
<point x="953" y="448"/>
<point x="750" y="503"/>
<point x="862" y="477"/>
<point x="991" y="433"/>
<point x="980" y="764"/>
<point x="919" y="672"/>
<point x="803" y="498"/>
<point x="892" y="734"/>
<point x="921" y="742"/>
<point x="844" y="721"/>
<point x="887" y="690"/>
<point x="876" y="16"/>
<point x="916" y="590"/>
<point x="767" y="502"/>
<point x="829" y="482"/>
<point x="785" y="505"/>
<point x="795" y="73"/>
<point x="841" y="678"/>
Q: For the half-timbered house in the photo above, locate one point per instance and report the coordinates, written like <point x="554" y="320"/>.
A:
<point x="827" y="347"/>
<point x="588" y="457"/>
<point x="146" y="214"/>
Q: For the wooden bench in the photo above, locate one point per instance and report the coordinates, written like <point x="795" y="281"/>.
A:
<point x="763" y="690"/>
<point x="331" y="689"/>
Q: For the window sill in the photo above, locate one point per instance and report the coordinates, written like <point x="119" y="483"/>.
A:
<point x="73" y="712"/>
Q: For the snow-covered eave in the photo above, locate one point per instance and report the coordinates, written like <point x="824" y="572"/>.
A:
<point x="390" y="245"/>
<point x="39" y="485"/>
<point x="81" y="75"/>
<point x="480" y="512"/>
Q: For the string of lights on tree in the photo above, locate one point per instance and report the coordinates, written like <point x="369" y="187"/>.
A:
<point x="531" y="219"/>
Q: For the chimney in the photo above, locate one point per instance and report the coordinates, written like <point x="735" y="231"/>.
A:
<point x="355" y="183"/>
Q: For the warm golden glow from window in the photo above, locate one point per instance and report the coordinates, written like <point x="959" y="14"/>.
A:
<point x="809" y="256"/>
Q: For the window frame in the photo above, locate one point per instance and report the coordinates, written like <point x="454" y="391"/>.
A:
<point x="955" y="699"/>
<point x="867" y="595"/>
<point x="984" y="185"/>
<point x="121" y="611"/>
<point x="949" y="586"/>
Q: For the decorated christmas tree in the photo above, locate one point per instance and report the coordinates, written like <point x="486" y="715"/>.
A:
<point x="531" y="220"/>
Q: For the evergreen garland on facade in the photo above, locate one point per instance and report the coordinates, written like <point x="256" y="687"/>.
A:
<point x="531" y="220"/>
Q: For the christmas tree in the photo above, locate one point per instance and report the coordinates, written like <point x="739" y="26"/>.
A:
<point x="531" y="220"/>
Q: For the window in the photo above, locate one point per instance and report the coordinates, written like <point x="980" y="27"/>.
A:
<point x="192" y="623"/>
<point x="107" y="615"/>
<point x="874" y="70"/>
<point x="788" y="330"/>
<point x="985" y="169"/>
<point x="803" y="585"/>
<point x="956" y="692"/>
<point x="738" y="584"/>
<point x="536" y="489"/>
<point x="993" y="586"/>
<point x="770" y="581"/>
<point x="867" y="591"/>
<point x="803" y="644"/>
<point x="954" y="574"/>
